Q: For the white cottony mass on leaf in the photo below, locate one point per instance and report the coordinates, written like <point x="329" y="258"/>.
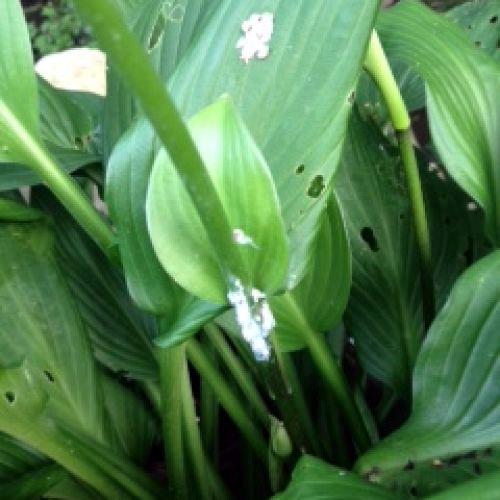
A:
<point x="254" y="316"/>
<point x="258" y="30"/>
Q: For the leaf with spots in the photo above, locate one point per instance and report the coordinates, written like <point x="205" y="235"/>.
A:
<point x="384" y="311"/>
<point x="481" y="22"/>
<point x="455" y="419"/>
<point x="295" y="101"/>
<point x="317" y="480"/>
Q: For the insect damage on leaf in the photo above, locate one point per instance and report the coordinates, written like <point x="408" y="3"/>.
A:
<point x="258" y="30"/>
<point x="254" y="316"/>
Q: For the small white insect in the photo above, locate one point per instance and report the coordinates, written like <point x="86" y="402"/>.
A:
<point x="471" y="206"/>
<point x="258" y="30"/>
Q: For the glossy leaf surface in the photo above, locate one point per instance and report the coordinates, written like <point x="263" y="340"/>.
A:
<point x="295" y="102"/>
<point x="463" y="84"/>
<point x="317" y="480"/>
<point x="456" y="398"/>
<point x="319" y="300"/>
<point x="245" y="187"/>
<point x="384" y="313"/>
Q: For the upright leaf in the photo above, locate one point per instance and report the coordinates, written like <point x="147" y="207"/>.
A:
<point x="295" y="102"/>
<point x="462" y="92"/>
<point x="319" y="300"/>
<point x="246" y="190"/>
<point x="18" y="90"/>
<point x="456" y="408"/>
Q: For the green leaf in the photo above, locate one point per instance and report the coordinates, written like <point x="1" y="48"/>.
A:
<point x="50" y="394"/>
<point x="462" y="91"/>
<point x="456" y="402"/>
<point x="62" y="122"/>
<point x="481" y="21"/>
<point x="120" y="333"/>
<point x="384" y="313"/>
<point x="245" y="187"/>
<point x="316" y="480"/>
<point x="127" y="181"/>
<point x="11" y="210"/>
<point x="319" y="300"/>
<point x="49" y="333"/>
<point x="18" y="91"/>
<point x="34" y="484"/>
<point x="17" y="459"/>
<point x="131" y="425"/>
<point x="295" y="103"/>
<point x="483" y="488"/>
<point x="149" y="285"/>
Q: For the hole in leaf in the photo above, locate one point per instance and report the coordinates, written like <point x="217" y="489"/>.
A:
<point x="494" y="19"/>
<point x="300" y="169"/>
<point x="10" y="397"/>
<point x="316" y="187"/>
<point x="369" y="238"/>
<point x="49" y="376"/>
<point x="478" y="43"/>
<point x="409" y="466"/>
<point x="351" y="97"/>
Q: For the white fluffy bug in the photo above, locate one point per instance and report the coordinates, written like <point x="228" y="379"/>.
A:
<point x="258" y="30"/>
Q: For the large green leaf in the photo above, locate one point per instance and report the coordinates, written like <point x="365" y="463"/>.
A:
<point x="319" y="300"/>
<point x="120" y="333"/>
<point x="246" y="190"/>
<point x="127" y="181"/>
<point x="313" y="479"/>
<point x="51" y="395"/>
<point x="384" y="313"/>
<point x="49" y="332"/>
<point x="295" y="102"/>
<point x="456" y="406"/>
<point x="462" y="92"/>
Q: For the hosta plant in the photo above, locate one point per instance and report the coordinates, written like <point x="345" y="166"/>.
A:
<point x="264" y="264"/>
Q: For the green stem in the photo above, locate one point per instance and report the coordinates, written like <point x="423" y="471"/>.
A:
<point x="228" y="400"/>
<point x="377" y="65"/>
<point x="192" y="437"/>
<point x="171" y="362"/>
<point x="209" y="410"/>
<point x="290" y="375"/>
<point x="132" y="63"/>
<point x="282" y="395"/>
<point x="239" y="372"/>
<point x="333" y="376"/>
<point x="69" y="193"/>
